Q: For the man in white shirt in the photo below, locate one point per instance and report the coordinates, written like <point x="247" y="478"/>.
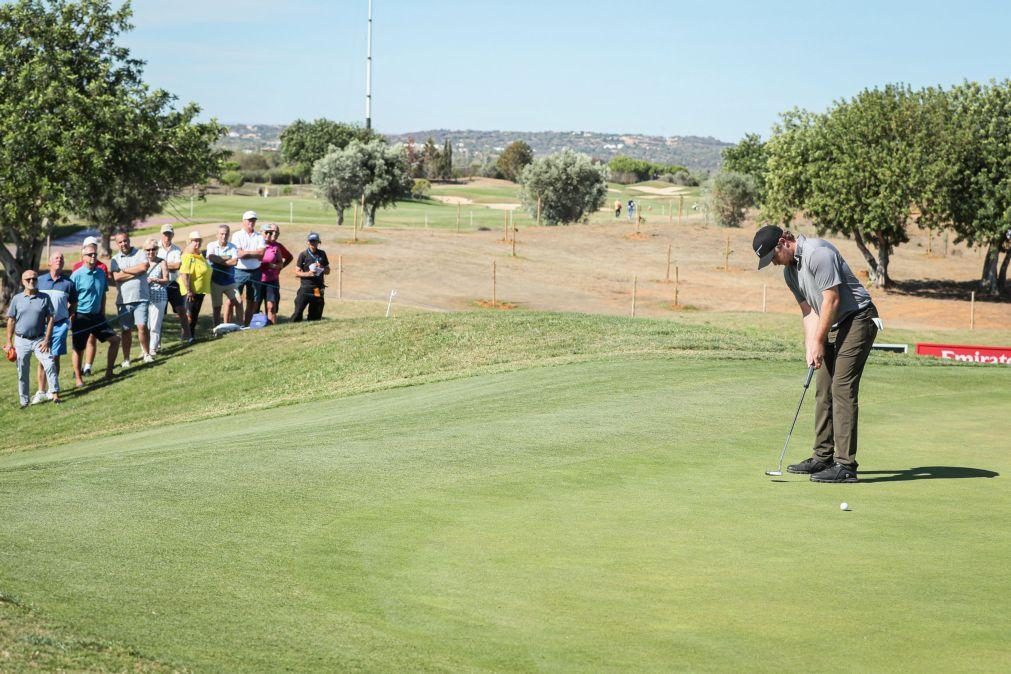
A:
<point x="250" y="247"/>
<point x="223" y="257"/>
<point x="173" y="256"/>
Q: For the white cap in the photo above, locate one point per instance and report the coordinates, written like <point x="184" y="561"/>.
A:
<point x="195" y="235"/>
<point x="167" y="228"/>
<point x="90" y="241"/>
<point x="249" y="215"/>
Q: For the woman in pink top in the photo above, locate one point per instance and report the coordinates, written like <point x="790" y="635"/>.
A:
<point x="275" y="258"/>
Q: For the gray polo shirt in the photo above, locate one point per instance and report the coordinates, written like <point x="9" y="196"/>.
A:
<point x="817" y="267"/>
<point x="135" y="289"/>
<point x="30" y="314"/>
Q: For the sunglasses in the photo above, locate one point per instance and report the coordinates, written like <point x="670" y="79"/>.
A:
<point x="90" y="255"/>
<point x="30" y="278"/>
<point x="151" y="250"/>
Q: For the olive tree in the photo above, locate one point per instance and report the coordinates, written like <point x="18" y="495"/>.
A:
<point x="373" y="173"/>
<point x="731" y="194"/>
<point x="569" y="186"/>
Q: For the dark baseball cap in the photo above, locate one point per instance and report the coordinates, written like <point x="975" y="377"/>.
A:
<point x="313" y="236"/>
<point x="766" y="240"/>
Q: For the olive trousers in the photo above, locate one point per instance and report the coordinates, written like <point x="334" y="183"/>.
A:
<point x="837" y="387"/>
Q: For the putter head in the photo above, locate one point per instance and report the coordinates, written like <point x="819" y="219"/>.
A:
<point x="775" y="473"/>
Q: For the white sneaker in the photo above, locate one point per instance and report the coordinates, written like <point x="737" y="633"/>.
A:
<point x="125" y="365"/>
<point x="86" y="370"/>
<point x="40" y="397"/>
<point x="148" y="358"/>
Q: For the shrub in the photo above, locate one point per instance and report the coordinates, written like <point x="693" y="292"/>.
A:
<point x="731" y="194"/>
<point x="420" y="189"/>
<point x="569" y="185"/>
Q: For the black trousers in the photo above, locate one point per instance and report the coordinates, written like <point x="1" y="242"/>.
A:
<point x="311" y="298"/>
<point x="193" y="305"/>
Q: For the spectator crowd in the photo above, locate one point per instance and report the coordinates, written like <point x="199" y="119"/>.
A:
<point x="240" y="271"/>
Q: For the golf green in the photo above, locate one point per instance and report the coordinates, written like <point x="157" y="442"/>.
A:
<point x="608" y="515"/>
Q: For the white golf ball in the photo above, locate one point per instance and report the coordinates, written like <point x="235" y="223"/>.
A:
<point x="844" y="506"/>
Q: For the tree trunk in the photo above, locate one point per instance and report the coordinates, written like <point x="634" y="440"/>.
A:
<point x="106" y="244"/>
<point x="988" y="277"/>
<point x="872" y="262"/>
<point x="1002" y="275"/>
<point x="370" y="215"/>
<point x="884" y="257"/>
<point x="27" y="255"/>
<point x="340" y="217"/>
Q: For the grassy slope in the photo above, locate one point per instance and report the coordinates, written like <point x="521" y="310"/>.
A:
<point x="599" y="515"/>
<point x="295" y="363"/>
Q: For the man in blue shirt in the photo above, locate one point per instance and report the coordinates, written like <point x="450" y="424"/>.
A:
<point x="63" y="294"/>
<point x="91" y="284"/>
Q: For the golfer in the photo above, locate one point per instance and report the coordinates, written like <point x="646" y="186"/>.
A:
<point x="839" y="329"/>
<point x="30" y="330"/>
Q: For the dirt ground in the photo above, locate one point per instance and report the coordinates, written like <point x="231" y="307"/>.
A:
<point x="592" y="269"/>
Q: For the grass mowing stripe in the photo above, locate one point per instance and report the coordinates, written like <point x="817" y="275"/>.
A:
<point x="610" y="515"/>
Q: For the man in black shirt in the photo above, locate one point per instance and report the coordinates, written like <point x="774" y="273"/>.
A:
<point x="312" y="265"/>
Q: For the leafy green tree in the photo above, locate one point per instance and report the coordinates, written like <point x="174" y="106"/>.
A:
<point x="67" y="91"/>
<point x="731" y="194"/>
<point x="373" y="173"/>
<point x="748" y="157"/>
<point x="304" y="143"/>
<point x="569" y="185"/>
<point x="430" y="159"/>
<point x="981" y="203"/>
<point x="516" y="157"/>
<point x="864" y="179"/>
<point x="444" y="162"/>
<point x="790" y="153"/>
<point x="157" y="152"/>
<point x="233" y="179"/>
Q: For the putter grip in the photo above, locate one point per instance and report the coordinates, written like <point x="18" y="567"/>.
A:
<point x="810" y="373"/>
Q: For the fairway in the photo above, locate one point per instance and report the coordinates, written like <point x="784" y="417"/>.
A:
<point x="601" y="515"/>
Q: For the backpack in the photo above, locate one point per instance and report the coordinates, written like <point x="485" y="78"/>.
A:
<point x="258" y="321"/>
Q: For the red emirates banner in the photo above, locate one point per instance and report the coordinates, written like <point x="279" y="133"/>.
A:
<point x="990" y="355"/>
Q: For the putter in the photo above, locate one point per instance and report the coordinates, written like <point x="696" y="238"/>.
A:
<point x="807" y="382"/>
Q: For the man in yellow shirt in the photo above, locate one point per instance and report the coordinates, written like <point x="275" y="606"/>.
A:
<point x="194" y="280"/>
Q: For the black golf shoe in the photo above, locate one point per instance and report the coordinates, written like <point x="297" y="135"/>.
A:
<point x="837" y="473"/>
<point x="811" y="465"/>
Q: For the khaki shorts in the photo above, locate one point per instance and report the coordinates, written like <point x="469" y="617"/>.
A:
<point x="217" y="291"/>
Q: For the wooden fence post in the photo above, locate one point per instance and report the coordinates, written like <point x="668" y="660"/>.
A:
<point x="972" y="311"/>
<point x="667" y="278"/>
<point x="635" y="284"/>
<point x="494" y="283"/>
<point x="340" y="277"/>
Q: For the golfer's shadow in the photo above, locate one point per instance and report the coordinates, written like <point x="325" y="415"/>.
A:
<point x="925" y="473"/>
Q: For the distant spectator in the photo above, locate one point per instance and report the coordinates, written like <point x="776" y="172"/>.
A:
<point x="63" y="294"/>
<point x="30" y="330"/>
<point x="89" y="352"/>
<point x="617" y="208"/>
<point x="173" y="256"/>
<point x="91" y="284"/>
<point x="630" y="210"/>
<point x="275" y="258"/>
<point x="157" y="295"/>
<point x="247" y="270"/>
<point x="223" y="256"/>
<point x="194" y="280"/>
<point x="129" y="271"/>
<point x="311" y="267"/>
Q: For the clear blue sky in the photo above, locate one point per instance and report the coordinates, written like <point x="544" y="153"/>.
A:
<point x="669" y="68"/>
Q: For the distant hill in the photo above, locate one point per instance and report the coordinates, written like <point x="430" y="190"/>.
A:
<point x="469" y="146"/>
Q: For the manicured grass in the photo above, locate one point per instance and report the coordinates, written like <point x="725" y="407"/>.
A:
<point x="609" y="514"/>
<point x="302" y="208"/>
